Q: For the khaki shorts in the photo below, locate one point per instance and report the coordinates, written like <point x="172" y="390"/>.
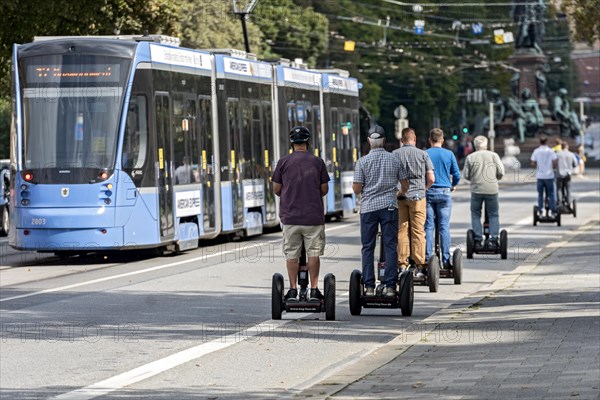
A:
<point x="312" y="235"/>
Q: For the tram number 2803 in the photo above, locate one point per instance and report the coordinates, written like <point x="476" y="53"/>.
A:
<point x="38" y="221"/>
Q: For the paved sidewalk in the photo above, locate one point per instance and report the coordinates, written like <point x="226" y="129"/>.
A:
<point x="534" y="333"/>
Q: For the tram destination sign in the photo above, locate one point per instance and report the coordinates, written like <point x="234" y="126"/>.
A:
<point x="60" y="73"/>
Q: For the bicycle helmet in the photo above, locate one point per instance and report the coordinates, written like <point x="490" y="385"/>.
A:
<point x="299" y="134"/>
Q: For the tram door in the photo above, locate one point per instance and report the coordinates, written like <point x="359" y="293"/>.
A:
<point x="207" y="166"/>
<point x="164" y="161"/>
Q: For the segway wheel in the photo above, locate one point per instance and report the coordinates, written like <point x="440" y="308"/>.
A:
<point x="356" y="292"/>
<point x="470" y="243"/>
<point x="535" y="215"/>
<point x="557" y="218"/>
<point x="503" y="244"/>
<point x="277" y="296"/>
<point x="574" y="208"/>
<point x="329" y="283"/>
<point x="433" y="273"/>
<point x="457" y="266"/>
<point x="407" y="293"/>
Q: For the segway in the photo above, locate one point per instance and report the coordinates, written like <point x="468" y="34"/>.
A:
<point x="455" y="269"/>
<point x="563" y="206"/>
<point x="545" y="218"/>
<point x="404" y="298"/>
<point x="303" y="303"/>
<point x="432" y="275"/>
<point x="487" y="247"/>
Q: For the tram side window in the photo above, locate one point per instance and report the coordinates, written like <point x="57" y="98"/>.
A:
<point x="205" y="135"/>
<point x="292" y="116"/>
<point x="185" y="141"/>
<point x="135" y="143"/>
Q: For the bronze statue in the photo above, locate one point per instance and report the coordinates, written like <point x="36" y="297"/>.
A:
<point x="530" y="24"/>
<point x="514" y="84"/>
<point x="540" y="81"/>
<point x="527" y="117"/>
<point x="499" y="110"/>
<point x="562" y="112"/>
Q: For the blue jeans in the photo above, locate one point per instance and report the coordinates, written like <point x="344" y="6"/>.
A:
<point x="548" y="186"/>
<point x="491" y="206"/>
<point x="369" y="223"/>
<point x="439" y="206"/>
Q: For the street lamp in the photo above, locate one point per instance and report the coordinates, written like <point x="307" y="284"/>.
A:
<point x="243" y="15"/>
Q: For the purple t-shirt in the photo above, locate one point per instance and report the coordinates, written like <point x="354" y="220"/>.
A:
<point x="301" y="175"/>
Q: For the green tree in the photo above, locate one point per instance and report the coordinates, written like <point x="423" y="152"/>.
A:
<point x="292" y="31"/>
<point x="207" y="24"/>
<point x="585" y="15"/>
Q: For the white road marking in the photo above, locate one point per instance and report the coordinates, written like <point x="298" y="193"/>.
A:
<point x="142" y="271"/>
<point x="156" y="367"/>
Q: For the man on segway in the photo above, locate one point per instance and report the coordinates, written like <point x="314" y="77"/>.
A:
<point x="439" y="196"/>
<point x="545" y="160"/>
<point x="483" y="169"/>
<point x="412" y="207"/>
<point x="301" y="180"/>
<point x="376" y="178"/>
<point x="566" y="164"/>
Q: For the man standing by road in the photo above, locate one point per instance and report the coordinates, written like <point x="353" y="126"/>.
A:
<point x="412" y="207"/>
<point x="545" y="160"/>
<point x="376" y="177"/>
<point x="301" y="180"/>
<point x="484" y="169"/>
<point x="439" y="196"/>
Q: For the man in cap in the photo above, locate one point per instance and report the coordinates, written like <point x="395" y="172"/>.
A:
<point x="301" y="180"/>
<point x="376" y="178"/>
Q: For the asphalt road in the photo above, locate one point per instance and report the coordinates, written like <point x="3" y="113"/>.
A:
<point x="197" y="325"/>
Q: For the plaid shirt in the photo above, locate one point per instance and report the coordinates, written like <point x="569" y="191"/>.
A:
<point x="379" y="172"/>
<point x="416" y="163"/>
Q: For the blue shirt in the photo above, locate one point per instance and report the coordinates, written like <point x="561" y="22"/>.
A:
<point x="444" y="167"/>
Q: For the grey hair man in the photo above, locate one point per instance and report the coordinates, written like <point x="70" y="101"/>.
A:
<point x="483" y="169"/>
<point x="376" y="178"/>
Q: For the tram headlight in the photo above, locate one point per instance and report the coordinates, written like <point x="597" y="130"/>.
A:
<point x="103" y="175"/>
<point x="108" y="193"/>
<point x="107" y="201"/>
<point x="28" y="176"/>
<point x="23" y="187"/>
<point x="24" y="202"/>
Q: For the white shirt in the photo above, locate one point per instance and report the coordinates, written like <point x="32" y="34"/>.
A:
<point x="544" y="156"/>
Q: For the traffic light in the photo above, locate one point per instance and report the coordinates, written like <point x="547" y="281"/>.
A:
<point x="465" y="130"/>
<point x="455" y="137"/>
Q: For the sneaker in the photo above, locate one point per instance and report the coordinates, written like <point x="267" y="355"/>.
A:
<point x="315" y="294"/>
<point x="447" y="265"/>
<point x="421" y="273"/>
<point x="478" y="243"/>
<point x="370" y="291"/>
<point x="493" y="242"/>
<point x="292" y="294"/>
<point x="390" y="291"/>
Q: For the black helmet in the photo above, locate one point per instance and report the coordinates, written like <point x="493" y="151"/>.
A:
<point x="376" y="132"/>
<point x="299" y="134"/>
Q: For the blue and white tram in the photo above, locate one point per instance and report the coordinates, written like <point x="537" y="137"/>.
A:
<point x="341" y="139"/>
<point x="136" y="144"/>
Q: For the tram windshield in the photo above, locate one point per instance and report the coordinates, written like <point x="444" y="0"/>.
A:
<point x="71" y="112"/>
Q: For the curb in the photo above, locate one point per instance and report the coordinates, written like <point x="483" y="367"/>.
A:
<point x="393" y="349"/>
